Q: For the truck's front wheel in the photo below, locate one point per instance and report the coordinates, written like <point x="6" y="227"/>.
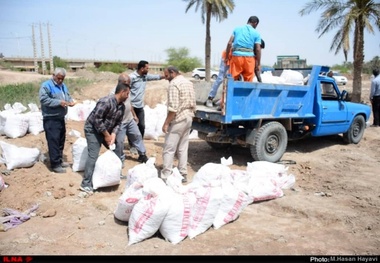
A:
<point x="356" y="130"/>
<point x="271" y="141"/>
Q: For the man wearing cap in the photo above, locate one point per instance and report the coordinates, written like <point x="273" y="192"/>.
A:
<point x="245" y="43"/>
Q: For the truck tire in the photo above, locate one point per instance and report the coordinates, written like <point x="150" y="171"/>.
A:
<point x="271" y="141"/>
<point x="356" y="130"/>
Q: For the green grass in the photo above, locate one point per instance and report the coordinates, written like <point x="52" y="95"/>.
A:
<point x="26" y="93"/>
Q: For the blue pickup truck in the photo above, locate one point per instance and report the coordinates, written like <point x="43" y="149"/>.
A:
<point x="264" y="116"/>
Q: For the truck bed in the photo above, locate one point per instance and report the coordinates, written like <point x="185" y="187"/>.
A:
<point x="253" y="101"/>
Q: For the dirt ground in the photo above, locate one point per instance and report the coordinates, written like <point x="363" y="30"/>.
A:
<point x="333" y="208"/>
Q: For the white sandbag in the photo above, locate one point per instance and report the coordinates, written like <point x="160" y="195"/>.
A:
<point x="18" y="157"/>
<point x="267" y="77"/>
<point x="127" y="201"/>
<point x="161" y="111"/>
<point x="80" y="154"/>
<point x="292" y="77"/>
<point x="107" y="170"/>
<point x="86" y="109"/>
<point x="193" y="135"/>
<point x="33" y="107"/>
<point x="3" y="118"/>
<point x="80" y="111"/>
<point x="35" y="121"/>
<point x="74" y="133"/>
<point x="141" y="172"/>
<point x="175" y="226"/>
<point x="16" y="125"/>
<point x="8" y="107"/>
<point x="263" y="183"/>
<point x="278" y="172"/>
<point x="211" y="174"/>
<point x="207" y="204"/>
<point x="150" y="124"/>
<point x="232" y="204"/>
<point x="174" y="181"/>
<point x="18" y="107"/>
<point x="263" y="188"/>
<point x="264" y="168"/>
<point x="149" y="212"/>
<point x="240" y="180"/>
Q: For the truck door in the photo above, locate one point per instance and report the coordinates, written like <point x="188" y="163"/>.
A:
<point x="333" y="110"/>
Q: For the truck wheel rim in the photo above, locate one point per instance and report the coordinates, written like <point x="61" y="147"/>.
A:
<point x="272" y="144"/>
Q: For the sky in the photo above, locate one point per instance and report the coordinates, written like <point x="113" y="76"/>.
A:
<point x="133" y="30"/>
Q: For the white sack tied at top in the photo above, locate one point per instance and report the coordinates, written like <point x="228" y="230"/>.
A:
<point x="232" y="204"/>
<point x="3" y="118"/>
<point x="18" y="157"/>
<point x="80" y="111"/>
<point x="154" y="120"/>
<point x="16" y="125"/>
<point x="211" y="174"/>
<point x="175" y="226"/>
<point x="267" y="180"/>
<point x="107" y="170"/>
<point x="35" y="118"/>
<point x="127" y="201"/>
<point x="79" y="151"/>
<point x="149" y="212"/>
<point x="292" y="77"/>
<point x="208" y="199"/>
<point x="142" y="172"/>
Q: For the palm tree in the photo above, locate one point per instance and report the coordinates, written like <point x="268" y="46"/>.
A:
<point x="345" y="16"/>
<point x="211" y="8"/>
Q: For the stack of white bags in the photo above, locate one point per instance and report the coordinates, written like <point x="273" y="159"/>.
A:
<point x="215" y="197"/>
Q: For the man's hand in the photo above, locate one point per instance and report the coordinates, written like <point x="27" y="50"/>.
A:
<point x="63" y="103"/>
<point x="165" y="128"/>
<point x="71" y="103"/>
<point x="258" y="75"/>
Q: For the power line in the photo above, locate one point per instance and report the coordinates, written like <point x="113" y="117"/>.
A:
<point x="15" y="37"/>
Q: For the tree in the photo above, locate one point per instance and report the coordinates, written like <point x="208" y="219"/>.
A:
<point x="60" y="63"/>
<point x="211" y="8"/>
<point x="343" y="16"/>
<point x="180" y="59"/>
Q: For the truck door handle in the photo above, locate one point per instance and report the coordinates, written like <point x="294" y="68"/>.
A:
<point x="324" y="107"/>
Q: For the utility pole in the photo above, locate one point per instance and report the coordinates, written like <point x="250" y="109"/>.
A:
<point x="50" y="51"/>
<point x="34" y="50"/>
<point x="42" y="52"/>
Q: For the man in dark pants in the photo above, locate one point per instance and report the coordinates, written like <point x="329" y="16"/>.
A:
<point x="138" y="84"/>
<point x="101" y="127"/>
<point x="129" y="128"/>
<point x="374" y="96"/>
<point x="54" y="99"/>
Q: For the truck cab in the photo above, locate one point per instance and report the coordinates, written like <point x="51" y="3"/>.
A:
<point x="335" y="114"/>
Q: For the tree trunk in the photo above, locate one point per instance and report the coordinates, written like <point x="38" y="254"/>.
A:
<point x="208" y="43"/>
<point x="358" y="60"/>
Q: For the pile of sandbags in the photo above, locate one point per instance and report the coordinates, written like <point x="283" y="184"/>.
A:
<point x="215" y="197"/>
